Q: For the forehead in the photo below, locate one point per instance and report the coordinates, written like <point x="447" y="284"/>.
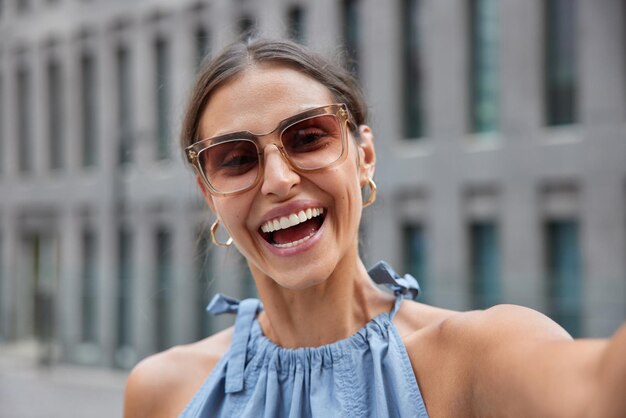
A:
<point x="259" y="98"/>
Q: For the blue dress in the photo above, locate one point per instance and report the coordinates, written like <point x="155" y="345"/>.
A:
<point x="366" y="375"/>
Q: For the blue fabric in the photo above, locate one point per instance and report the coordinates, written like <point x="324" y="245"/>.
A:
<point x="366" y="375"/>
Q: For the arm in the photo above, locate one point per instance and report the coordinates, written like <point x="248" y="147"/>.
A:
<point x="526" y="365"/>
<point x="147" y="391"/>
<point x="162" y="384"/>
<point x="609" y="399"/>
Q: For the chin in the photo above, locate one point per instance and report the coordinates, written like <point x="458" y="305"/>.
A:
<point x="303" y="275"/>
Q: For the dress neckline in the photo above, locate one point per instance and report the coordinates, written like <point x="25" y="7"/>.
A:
<point x="383" y="319"/>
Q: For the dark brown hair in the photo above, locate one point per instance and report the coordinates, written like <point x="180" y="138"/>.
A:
<point x="239" y="56"/>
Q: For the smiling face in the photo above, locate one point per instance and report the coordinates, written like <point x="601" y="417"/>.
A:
<point x="293" y="227"/>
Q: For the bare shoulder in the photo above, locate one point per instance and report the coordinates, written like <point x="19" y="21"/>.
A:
<point x="470" y="333"/>
<point x="161" y="385"/>
<point x="414" y="316"/>
<point x="450" y="349"/>
<point x="503" y="321"/>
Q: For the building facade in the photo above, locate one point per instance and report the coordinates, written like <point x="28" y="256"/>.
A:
<point x="500" y="129"/>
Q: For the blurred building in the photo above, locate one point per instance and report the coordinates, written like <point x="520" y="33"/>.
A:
<point x="501" y="135"/>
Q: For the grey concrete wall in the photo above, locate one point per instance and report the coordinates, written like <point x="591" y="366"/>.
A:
<point x="443" y="181"/>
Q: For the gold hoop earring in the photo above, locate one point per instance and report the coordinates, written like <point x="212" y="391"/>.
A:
<point x="214" y="227"/>
<point x="372" y="195"/>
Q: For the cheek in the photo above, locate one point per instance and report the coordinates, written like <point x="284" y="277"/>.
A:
<point x="232" y="212"/>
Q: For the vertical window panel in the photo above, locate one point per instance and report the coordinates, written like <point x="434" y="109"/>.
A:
<point x="415" y="256"/>
<point x="164" y="270"/>
<point x="484" y="265"/>
<point x="351" y="33"/>
<point x="204" y="270"/>
<point x="124" y="290"/>
<point x="248" y="284"/>
<point x="89" y="286"/>
<point x="295" y="24"/>
<point x="88" y="108"/>
<point x="22" y="6"/>
<point x="2" y="127"/>
<point x="162" y="61"/>
<point x="564" y="268"/>
<point x="247" y="27"/>
<point x="2" y="279"/>
<point x="561" y="72"/>
<point x="124" y="106"/>
<point x="484" y="71"/>
<point x="202" y="45"/>
<point x="412" y="97"/>
<point x="55" y="115"/>
<point x="24" y="133"/>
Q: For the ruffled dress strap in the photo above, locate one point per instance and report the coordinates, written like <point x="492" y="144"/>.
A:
<point x="402" y="287"/>
<point x="246" y="310"/>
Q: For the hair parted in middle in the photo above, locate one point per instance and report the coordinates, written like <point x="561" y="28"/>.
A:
<point x="241" y="55"/>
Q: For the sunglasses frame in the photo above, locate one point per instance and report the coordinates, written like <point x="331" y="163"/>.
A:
<point x="339" y="110"/>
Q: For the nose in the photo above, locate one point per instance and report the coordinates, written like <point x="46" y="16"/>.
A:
<point x="278" y="177"/>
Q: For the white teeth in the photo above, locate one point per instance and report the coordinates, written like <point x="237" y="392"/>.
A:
<point x="293" y="219"/>
<point x="293" y="244"/>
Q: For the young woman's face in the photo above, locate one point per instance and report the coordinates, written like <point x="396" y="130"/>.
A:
<point x="326" y="203"/>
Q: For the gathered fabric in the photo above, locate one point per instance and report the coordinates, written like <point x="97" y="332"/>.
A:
<point x="368" y="374"/>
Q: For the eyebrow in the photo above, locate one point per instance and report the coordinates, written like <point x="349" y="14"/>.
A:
<point x="243" y="134"/>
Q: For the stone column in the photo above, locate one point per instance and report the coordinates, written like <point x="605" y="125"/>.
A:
<point x="143" y="315"/>
<point x="601" y="62"/>
<point x="325" y="19"/>
<point x="521" y="68"/>
<point x="107" y="214"/>
<point x="69" y="284"/>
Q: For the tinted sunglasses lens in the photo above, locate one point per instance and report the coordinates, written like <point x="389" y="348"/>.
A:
<point x="231" y="165"/>
<point x="314" y="142"/>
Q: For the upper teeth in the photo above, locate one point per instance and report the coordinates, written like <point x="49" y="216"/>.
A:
<point x="285" y="222"/>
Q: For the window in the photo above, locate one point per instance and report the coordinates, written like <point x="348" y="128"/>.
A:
<point x="295" y="24"/>
<point x="561" y="71"/>
<point x="164" y="288"/>
<point x="89" y="286"/>
<point x="564" y="268"/>
<point x="124" y="106"/>
<point x="162" y="58"/>
<point x="415" y="260"/>
<point x="248" y="285"/>
<point x="203" y="274"/>
<point x="88" y="102"/>
<point x="124" y="290"/>
<point x="2" y="276"/>
<point x="484" y="265"/>
<point x="350" y="28"/>
<point x="484" y="56"/>
<point x="2" y="137"/>
<point x="247" y="27"/>
<point x="55" y="115"/>
<point x="202" y="45"/>
<point x="413" y="117"/>
<point x="22" y="6"/>
<point x="24" y="126"/>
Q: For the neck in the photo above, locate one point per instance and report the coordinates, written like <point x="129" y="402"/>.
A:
<point x="321" y="314"/>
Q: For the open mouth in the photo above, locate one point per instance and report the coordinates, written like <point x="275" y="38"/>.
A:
<point x="294" y="229"/>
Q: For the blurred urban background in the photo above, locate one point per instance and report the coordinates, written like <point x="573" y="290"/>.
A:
<point x="501" y="135"/>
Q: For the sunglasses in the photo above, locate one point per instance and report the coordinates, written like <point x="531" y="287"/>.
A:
<point x="309" y="141"/>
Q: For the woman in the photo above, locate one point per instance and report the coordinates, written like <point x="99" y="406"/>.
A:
<point x="284" y="158"/>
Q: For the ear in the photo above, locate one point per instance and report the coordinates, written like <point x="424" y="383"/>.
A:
<point x="208" y="198"/>
<point x="367" y="154"/>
